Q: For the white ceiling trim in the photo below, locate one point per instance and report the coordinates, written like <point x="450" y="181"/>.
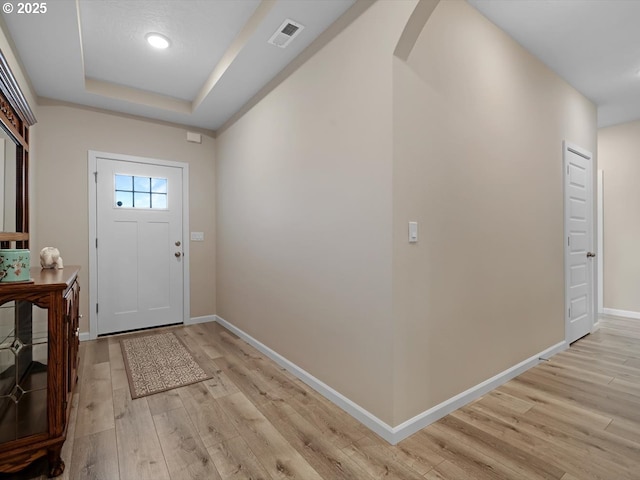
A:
<point x="232" y="52"/>
<point x="203" y="80"/>
<point x="135" y="95"/>
<point x="165" y="102"/>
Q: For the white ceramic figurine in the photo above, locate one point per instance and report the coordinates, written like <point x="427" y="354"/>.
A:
<point x="50" y="258"/>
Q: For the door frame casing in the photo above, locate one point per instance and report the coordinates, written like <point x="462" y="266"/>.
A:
<point x="590" y="212"/>
<point x="600" y="237"/>
<point x="92" y="159"/>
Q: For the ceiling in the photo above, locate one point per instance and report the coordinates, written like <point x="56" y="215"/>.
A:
<point x="94" y="53"/>
<point x="593" y="44"/>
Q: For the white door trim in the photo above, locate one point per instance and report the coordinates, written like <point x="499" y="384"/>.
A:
<point x="93" y="252"/>
<point x="600" y="249"/>
<point x="567" y="146"/>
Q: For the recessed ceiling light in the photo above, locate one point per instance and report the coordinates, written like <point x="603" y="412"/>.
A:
<point x="157" y="40"/>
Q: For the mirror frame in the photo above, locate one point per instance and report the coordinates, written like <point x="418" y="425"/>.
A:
<point x="16" y="117"/>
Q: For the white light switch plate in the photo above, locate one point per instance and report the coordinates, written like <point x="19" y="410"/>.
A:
<point x="197" y="236"/>
<point x="413" y="232"/>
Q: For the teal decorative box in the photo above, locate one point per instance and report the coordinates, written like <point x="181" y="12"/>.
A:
<point x="14" y="265"/>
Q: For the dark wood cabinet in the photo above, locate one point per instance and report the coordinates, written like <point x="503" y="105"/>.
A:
<point x="38" y="366"/>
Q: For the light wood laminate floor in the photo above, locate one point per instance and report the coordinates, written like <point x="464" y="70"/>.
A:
<point x="576" y="416"/>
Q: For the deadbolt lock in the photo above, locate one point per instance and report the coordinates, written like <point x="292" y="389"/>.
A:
<point x="178" y="243"/>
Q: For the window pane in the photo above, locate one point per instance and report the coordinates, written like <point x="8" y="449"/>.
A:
<point x="142" y="200"/>
<point x="158" y="200"/>
<point x="141" y="184"/>
<point x="124" y="182"/>
<point x="124" y="199"/>
<point x="159" y="185"/>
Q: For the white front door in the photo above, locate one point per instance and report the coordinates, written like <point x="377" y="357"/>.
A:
<point x="579" y="264"/>
<point x="139" y="245"/>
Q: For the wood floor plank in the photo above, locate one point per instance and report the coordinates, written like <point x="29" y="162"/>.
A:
<point x="470" y="459"/>
<point x="164" y="401"/>
<point x="562" y="369"/>
<point x="235" y="461"/>
<point x="278" y="457"/>
<point x="585" y="461"/>
<point x="373" y="456"/>
<point x="95" y="457"/>
<point x="633" y="363"/>
<point x="97" y="351"/>
<point x="95" y="407"/>
<point x="139" y="451"/>
<point x="625" y="429"/>
<point x="607" y="402"/>
<point x="490" y="422"/>
<point x="325" y="457"/>
<point x="336" y="425"/>
<point x="594" y="362"/>
<point x="116" y="363"/>
<point x="204" y="341"/>
<point x="253" y="386"/>
<point x="220" y="384"/>
<point x="414" y="454"/>
<point x="198" y="354"/>
<point x="447" y="471"/>
<point x="207" y="415"/>
<point x="574" y="417"/>
<point x="504" y="400"/>
<point x="561" y="405"/>
<point x="519" y="460"/>
<point x="184" y="452"/>
<point x="598" y="442"/>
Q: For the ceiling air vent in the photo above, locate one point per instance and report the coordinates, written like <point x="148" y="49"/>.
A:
<point x="287" y="32"/>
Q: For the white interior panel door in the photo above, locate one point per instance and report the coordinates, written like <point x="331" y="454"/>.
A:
<point x="579" y="271"/>
<point x="139" y="245"/>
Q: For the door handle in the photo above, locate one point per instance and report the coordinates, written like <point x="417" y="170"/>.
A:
<point x="590" y="254"/>
<point x="178" y="254"/>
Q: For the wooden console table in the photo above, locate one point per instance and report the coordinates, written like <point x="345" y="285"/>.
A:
<point x="38" y="366"/>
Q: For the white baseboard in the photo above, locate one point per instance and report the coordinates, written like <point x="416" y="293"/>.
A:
<point x="434" y="414"/>
<point x="203" y="319"/>
<point x="621" y="313"/>
<point x="393" y="435"/>
<point x="84" y="336"/>
<point x="356" y="411"/>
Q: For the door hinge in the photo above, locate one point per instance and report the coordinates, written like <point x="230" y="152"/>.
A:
<point x="96" y="243"/>
<point x="95" y="175"/>
<point x="568" y="241"/>
<point x="96" y="307"/>
<point x="569" y="313"/>
<point x="567" y="170"/>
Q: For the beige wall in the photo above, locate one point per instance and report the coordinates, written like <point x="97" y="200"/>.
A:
<point x="478" y="131"/>
<point x="65" y="135"/>
<point x="619" y="158"/>
<point x="317" y="182"/>
<point x="304" y="213"/>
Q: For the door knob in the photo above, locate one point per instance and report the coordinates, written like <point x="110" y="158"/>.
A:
<point x="177" y="254"/>
<point x="590" y="254"/>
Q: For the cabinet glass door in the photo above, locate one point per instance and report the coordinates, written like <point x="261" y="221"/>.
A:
<point x="23" y="370"/>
